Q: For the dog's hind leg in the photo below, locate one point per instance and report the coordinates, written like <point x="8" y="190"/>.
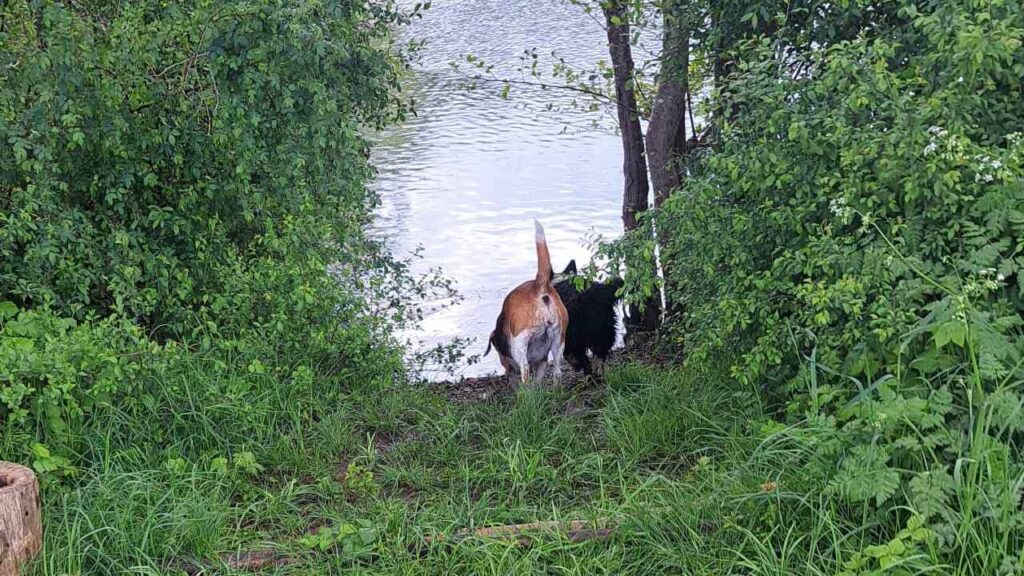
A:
<point x="520" y="347"/>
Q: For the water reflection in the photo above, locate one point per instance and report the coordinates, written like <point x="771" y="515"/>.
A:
<point x="467" y="175"/>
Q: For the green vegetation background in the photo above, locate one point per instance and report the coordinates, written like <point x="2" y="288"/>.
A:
<point x="196" y="338"/>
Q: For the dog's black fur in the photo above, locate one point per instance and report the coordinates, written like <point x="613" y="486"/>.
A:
<point x="592" y="318"/>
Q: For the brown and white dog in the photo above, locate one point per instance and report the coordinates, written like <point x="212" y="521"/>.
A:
<point x="532" y="323"/>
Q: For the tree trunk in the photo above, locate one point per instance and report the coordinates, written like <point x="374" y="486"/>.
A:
<point x="634" y="162"/>
<point x="634" y="167"/>
<point x="666" y="131"/>
<point x="21" y="529"/>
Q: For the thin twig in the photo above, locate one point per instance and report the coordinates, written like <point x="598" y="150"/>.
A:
<point x="689" y="107"/>
<point x="544" y="85"/>
<point x="596" y="95"/>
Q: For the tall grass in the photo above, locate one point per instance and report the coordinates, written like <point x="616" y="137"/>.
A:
<point x="687" y="464"/>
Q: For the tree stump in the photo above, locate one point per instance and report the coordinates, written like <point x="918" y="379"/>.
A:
<point x="21" y="528"/>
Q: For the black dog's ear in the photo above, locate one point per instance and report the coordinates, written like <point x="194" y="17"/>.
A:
<point x="571" y="268"/>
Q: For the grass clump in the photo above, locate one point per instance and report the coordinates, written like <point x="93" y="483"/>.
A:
<point x="356" y="496"/>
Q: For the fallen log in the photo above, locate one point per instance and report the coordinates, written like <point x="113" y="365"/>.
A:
<point x="250" y="561"/>
<point x="21" y="528"/>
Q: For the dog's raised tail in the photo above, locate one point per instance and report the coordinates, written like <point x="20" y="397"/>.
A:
<point x="544" y="271"/>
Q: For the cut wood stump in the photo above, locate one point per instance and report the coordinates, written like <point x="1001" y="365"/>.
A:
<point x="21" y="528"/>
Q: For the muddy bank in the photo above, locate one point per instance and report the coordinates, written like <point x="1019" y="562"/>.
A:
<point x="641" y="348"/>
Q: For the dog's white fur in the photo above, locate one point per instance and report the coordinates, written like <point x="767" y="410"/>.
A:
<point x="532" y="314"/>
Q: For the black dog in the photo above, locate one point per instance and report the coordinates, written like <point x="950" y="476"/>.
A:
<point x="592" y="318"/>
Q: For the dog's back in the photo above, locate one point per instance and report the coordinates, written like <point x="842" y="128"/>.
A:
<point x="597" y="309"/>
<point x="593" y="320"/>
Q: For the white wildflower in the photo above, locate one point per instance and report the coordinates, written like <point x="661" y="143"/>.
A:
<point x="1000" y="277"/>
<point x="838" y="207"/>
<point x="931" y="147"/>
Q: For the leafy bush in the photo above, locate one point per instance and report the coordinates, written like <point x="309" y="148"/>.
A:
<point x="843" y="202"/>
<point x="182" y="203"/>
<point x="856" y="237"/>
<point x="157" y="153"/>
<point x="54" y="372"/>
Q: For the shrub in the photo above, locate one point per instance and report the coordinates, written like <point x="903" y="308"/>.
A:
<point x="54" y="372"/>
<point x="161" y="160"/>
<point x="182" y="204"/>
<point x="856" y="237"/>
<point x="850" y="202"/>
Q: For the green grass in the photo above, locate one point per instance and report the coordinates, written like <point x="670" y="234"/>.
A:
<point x="666" y="454"/>
<point x="678" y="459"/>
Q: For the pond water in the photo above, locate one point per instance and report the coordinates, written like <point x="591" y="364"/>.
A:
<point x="466" y="176"/>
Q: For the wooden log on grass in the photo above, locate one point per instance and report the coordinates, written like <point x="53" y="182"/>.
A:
<point x="21" y="528"/>
<point x="575" y="531"/>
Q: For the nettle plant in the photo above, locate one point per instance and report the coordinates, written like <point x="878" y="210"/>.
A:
<point x="55" y="372"/>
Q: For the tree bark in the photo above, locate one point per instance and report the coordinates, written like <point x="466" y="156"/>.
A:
<point x="666" y="131"/>
<point x="21" y="529"/>
<point x="634" y="160"/>
<point x="634" y="166"/>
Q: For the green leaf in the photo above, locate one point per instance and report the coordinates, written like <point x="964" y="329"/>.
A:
<point x="930" y="491"/>
<point x="951" y="331"/>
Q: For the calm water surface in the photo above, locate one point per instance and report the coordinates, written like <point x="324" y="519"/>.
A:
<point x="465" y="178"/>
